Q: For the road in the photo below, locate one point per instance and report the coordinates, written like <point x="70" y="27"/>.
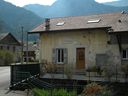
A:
<point x="4" y="77"/>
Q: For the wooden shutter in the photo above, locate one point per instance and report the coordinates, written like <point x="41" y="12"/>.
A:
<point x="54" y="59"/>
<point x="65" y="56"/>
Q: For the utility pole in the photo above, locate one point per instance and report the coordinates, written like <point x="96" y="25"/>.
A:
<point x="22" y="30"/>
<point x="27" y="50"/>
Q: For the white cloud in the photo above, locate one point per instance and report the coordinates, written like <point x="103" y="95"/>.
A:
<point x="103" y="1"/>
<point x="25" y="2"/>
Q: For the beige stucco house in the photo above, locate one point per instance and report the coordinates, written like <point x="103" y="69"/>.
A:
<point x="85" y="41"/>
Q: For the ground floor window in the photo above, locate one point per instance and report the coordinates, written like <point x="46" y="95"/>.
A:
<point x="125" y="54"/>
<point x="60" y="55"/>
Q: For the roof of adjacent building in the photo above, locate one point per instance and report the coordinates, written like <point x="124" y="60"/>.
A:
<point x="3" y="35"/>
<point x="4" y="39"/>
<point x="118" y="22"/>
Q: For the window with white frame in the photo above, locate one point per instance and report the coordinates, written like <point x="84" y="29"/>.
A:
<point x="60" y="55"/>
<point x="125" y="54"/>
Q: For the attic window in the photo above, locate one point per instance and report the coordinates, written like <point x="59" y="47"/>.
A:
<point x="94" y="21"/>
<point x="60" y="24"/>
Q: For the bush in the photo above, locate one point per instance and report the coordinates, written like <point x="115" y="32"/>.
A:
<point x="94" y="89"/>
<point x="6" y="57"/>
<point x="95" y="69"/>
<point x="125" y="70"/>
<point x="39" y="92"/>
<point x="68" y="71"/>
<point x="54" y="92"/>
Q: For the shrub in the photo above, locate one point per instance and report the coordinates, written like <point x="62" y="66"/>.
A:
<point x="109" y="71"/>
<point x="40" y="92"/>
<point x="54" y="92"/>
<point x="125" y="70"/>
<point x="95" y="69"/>
<point x="6" y="57"/>
<point x="63" y="92"/>
<point x="94" y="89"/>
<point x="68" y="71"/>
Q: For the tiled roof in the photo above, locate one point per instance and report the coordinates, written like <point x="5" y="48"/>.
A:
<point x="87" y="22"/>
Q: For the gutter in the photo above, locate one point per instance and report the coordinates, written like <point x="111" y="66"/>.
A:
<point x="66" y="30"/>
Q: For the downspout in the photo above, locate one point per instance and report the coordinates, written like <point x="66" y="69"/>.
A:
<point x="120" y="46"/>
<point x="119" y="43"/>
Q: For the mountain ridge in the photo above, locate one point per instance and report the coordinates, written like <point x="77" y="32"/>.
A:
<point x="13" y="17"/>
<point x="62" y="8"/>
<point x="119" y="3"/>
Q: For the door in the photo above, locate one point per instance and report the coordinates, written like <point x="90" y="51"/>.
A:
<point x="80" y="58"/>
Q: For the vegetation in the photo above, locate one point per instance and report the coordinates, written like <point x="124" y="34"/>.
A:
<point x="6" y="57"/>
<point x="109" y="71"/>
<point x="95" y="69"/>
<point x="69" y="70"/>
<point x="125" y="70"/>
<point x="94" y="89"/>
<point x="54" y="92"/>
<point x="91" y="89"/>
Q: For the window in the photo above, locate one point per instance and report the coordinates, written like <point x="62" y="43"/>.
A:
<point x="125" y="54"/>
<point x="60" y="23"/>
<point x="94" y="21"/>
<point x="60" y="55"/>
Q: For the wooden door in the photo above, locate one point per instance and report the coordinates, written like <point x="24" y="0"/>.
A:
<point x="80" y="58"/>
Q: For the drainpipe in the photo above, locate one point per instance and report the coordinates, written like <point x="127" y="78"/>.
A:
<point x="120" y="50"/>
<point x="119" y="43"/>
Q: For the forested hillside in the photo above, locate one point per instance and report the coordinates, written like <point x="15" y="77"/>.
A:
<point x="13" y="17"/>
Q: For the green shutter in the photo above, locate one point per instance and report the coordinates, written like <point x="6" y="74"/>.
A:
<point x="65" y="56"/>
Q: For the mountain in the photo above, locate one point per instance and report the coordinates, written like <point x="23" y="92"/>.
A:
<point x="13" y="17"/>
<point x="118" y="3"/>
<point x="36" y="8"/>
<point x="63" y="8"/>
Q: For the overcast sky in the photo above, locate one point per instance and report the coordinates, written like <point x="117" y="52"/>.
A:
<point x="43" y="2"/>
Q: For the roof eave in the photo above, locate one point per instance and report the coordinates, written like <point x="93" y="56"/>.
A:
<point x="67" y="30"/>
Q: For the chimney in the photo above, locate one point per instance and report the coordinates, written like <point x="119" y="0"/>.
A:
<point x="47" y="24"/>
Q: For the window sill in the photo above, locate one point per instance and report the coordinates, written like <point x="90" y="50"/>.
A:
<point x="59" y="63"/>
<point x="125" y="59"/>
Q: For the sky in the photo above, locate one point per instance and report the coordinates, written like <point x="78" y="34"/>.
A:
<point x="43" y="2"/>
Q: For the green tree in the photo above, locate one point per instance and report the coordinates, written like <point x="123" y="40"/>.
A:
<point x="6" y="57"/>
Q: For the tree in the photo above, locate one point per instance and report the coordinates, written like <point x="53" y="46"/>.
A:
<point x="6" y="57"/>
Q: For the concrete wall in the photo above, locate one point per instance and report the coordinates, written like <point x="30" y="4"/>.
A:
<point x="94" y="42"/>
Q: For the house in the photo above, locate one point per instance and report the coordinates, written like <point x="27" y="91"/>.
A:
<point x="10" y="43"/>
<point x="85" y="41"/>
<point x="31" y="52"/>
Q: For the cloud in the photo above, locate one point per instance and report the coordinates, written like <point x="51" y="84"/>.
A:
<point x="103" y="1"/>
<point x="25" y="2"/>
